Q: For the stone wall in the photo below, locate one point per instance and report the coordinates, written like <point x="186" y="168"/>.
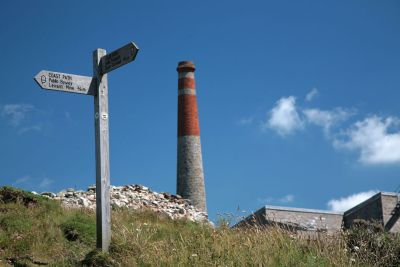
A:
<point x="190" y="176"/>
<point x="305" y="219"/>
<point x="294" y="219"/>
<point x="391" y="212"/>
<point x="371" y="210"/>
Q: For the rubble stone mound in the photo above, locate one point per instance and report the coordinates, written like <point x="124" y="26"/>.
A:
<point x="135" y="197"/>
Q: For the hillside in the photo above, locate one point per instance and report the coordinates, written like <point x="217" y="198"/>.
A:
<point x="38" y="231"/>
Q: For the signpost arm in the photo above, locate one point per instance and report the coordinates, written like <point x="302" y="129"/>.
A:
<point x="103" y="216"/>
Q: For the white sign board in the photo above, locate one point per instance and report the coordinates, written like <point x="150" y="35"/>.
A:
<point x="118" y="58"/>
<point x="58" y="81"/>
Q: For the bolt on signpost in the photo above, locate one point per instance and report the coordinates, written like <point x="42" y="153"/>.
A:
<point x="96" y="86"/>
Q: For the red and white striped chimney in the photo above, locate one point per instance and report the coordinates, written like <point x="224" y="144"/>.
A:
<point x="190" y="176"/>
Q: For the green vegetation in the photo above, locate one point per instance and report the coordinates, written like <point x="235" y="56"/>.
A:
<point x="369" y="243"/>
<point x="35" y="231"/>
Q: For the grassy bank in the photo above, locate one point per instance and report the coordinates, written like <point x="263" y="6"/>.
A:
<point x="35" y="231"/>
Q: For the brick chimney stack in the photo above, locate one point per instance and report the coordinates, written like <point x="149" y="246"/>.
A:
<point x="190" y="176"/>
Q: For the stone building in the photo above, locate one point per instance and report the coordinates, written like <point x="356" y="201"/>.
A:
<point x="382" y="207"/>
<point x="298" y="220"/>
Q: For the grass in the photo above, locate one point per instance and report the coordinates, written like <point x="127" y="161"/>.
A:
<point x="40" y="232"/>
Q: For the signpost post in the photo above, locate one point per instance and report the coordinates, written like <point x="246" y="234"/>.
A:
<point x="98" y="87"/>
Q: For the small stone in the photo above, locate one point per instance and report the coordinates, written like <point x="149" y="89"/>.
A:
<point x="83" y="201"/>
<point x="91" y="188"/>
<point x="125" y="188"/>
<point x="61" y="193"/>
<point x="144" y="188"/>
<point x="167" y="195"/>
<point x="48" y="194"/>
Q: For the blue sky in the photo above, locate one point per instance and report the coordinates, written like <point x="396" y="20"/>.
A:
<point x="298" y="100"/>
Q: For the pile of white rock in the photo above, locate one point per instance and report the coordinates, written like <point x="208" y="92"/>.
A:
<point x="134" y="197"/>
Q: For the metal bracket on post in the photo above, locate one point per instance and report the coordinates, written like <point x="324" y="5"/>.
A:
<point x="103" y="216"/>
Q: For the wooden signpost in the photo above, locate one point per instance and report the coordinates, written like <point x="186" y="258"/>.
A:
<point x="98" y="87"/>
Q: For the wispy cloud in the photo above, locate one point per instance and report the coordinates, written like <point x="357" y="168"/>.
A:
<point x="36" y="128"/>
<point x="45" y="183"/>
<point x="245" y="121"/>
<point x="22" y="180"/>
<point x="265" y="200"/>
<point x="327" y="118"/>
<point x="24" y="118"/>
<point x="284" y="117"/>
<point x="375" y="138"/>
<point x="282" y="200"/>
<point x="287" y="199"/>
<point x="16" y="113"/>
<point x="68" y="116"/>
<point x="346" y="203"/>
<point x="311" y="95"/>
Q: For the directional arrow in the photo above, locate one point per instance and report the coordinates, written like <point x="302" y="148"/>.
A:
<point x="118" y="58"/>
<point x="71" y="83"/>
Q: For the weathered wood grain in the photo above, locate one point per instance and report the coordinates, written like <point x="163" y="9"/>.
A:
<point x="103" y="216"/>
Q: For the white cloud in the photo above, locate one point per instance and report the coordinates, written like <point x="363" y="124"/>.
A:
<point x="22" y="180"/>
<point x="284" y="117"/>
<point x="16" y="113"/>
<point x="327" y="118"/>
<point x="287" y="199"/>
<point x="374" y="139"/>
<point x="265" y="200"/>
<point x="346" y="203"/>
<point x="45" y="183"/>
<point x="312" y="94"/>
<point x="67" y="115"/>
<point x="245" y="121"/>
<point x="37" y="128"/>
